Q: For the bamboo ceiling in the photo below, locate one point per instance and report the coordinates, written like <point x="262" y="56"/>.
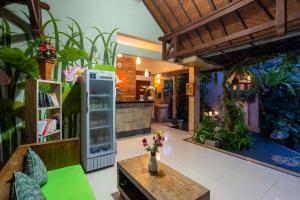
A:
<point x="194" y="27"/>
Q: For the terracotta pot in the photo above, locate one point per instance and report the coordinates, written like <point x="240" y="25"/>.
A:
<point x="45" y="68"/>
<point x="152" y="165"/>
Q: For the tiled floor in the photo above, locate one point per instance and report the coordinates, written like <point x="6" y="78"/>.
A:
<point x="227" y="177"/>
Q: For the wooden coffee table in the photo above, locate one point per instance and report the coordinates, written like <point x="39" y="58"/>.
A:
<point x="135" y="182"/>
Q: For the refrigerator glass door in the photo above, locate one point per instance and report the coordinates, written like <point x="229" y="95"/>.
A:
<point x="100" y="117"/>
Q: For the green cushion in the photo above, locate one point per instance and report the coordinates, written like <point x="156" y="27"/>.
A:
<point x="25" y="188"/>
<point x="35" y="168"/>
<point x="68" y="183"/>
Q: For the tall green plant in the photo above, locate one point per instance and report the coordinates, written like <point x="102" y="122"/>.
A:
<point x="16" y="64"/>
<point x="109" y="47"/>
<point x="280" y="94"/>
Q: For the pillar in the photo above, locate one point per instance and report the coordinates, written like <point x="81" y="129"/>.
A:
<point x="194" y="101"/>
<point x="174" y="98"/>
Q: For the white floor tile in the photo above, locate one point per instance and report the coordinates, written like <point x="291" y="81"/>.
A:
<point x="227" y="177"/>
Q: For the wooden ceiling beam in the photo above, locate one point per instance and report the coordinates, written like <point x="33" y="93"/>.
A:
<point x="162" y="15"/>
<point x="165" y="20"/>
<point x="228" y="8"/>
<point x="265" y="9"/>
<point x="200" y="15"/>
<point x="244" y="24"/>
<point x="190" y="19"/>
<point x="281" y="17"/>
<point x="146" y="3"/>
<point x="178" y="22"/>
<point x="35" y="13"/>
<point x="213" y="7"/>
<point x="227" y="38"/>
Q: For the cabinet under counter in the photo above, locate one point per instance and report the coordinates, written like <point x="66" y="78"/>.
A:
<point x="133" y="118"/>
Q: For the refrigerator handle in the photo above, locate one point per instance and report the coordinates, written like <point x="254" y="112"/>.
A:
<point x="87" y="100"/>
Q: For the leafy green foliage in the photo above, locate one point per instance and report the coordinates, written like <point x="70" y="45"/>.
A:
<point x="71" y="100"/>
<point x="11" y="108"/>
<point x="19" y="61"/>
<point x="206" y="130"/>
<point x="71" y="54"/>
<point x="232" y="140"/>
<point x="110" y="46"/>
<point x="280" y="94"/>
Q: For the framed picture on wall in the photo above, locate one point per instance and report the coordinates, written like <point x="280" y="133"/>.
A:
<point x="189" y="89"/>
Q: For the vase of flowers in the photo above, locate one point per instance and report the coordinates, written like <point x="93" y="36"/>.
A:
<point x="46" y="56"/>
<point x="157" y="143"/>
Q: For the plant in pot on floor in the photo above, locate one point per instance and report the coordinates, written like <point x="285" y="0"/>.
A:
<point x="207" y="133"/>
<point x="46" y="56"/>
<point x="158" y="139"/>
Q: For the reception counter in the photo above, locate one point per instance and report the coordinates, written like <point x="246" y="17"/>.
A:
<point x="133" y="118"/>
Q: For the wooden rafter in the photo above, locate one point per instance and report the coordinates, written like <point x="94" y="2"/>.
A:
<point x="200" y="15"/>
<point x="35" y="13"/>
<point x="265" y="9"/>
<point x="190" y="19"/>
<point x="155" y="17"/>
<point x="281" y="16"/>
<point x="225" y="10"/>
<point x="228" y="38"/>
<point x="221" y="22"/>
<point x="178" y="22"/>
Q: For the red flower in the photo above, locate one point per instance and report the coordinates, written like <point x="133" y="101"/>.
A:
<point x="160" y="144"/>
<point x="42" y="48"/>
<point x="145" y="143"/>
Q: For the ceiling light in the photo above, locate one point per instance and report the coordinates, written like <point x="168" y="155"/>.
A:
<point x="146" y="73"/>
<point x="138" y="61"/>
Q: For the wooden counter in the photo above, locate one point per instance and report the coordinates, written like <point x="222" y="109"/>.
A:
<point x="133" y="118"/>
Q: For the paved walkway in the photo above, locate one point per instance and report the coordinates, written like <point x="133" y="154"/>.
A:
<point x="227" y="177"/>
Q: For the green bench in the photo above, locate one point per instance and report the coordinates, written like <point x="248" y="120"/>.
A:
<point x="66" y="178"/>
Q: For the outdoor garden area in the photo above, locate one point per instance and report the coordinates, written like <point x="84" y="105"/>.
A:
<point x="252" y="110"/>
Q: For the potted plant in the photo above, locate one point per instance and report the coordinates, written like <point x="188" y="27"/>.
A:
<point x="207" y="132"/>
<point x="157" y="142"/>
<point x="46" y="56"/>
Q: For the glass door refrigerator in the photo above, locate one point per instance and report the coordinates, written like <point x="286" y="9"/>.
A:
<point x="98" y="119"/>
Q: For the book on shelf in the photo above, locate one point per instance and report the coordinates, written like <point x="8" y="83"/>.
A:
<point x="47" y="126"/>
<point x="48" y="100"/>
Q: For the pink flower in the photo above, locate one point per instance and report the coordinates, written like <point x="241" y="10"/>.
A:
<point x="4" y="78"/>
<point x="73" y="73"/>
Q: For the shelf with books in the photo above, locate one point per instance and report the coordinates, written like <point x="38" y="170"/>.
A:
<point x="43" y="105"/>
<point x="50" y="133"/>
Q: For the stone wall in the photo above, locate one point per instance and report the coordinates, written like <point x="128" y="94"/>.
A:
<point x="133" y="118"/>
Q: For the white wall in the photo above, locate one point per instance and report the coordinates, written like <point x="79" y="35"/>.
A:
<point x="130" y="16"/>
